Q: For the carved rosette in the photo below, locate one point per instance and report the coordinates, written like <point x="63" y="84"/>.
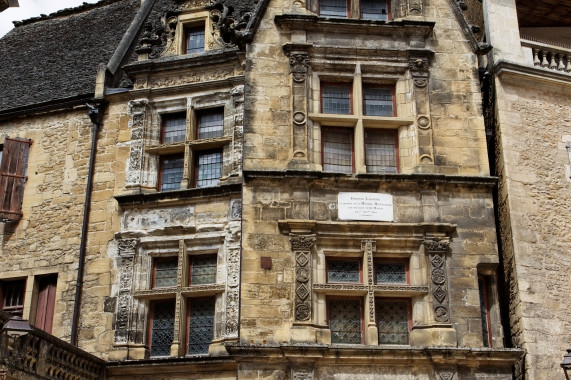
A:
<point x="436" y="250"/>
<point x="299" y="66"/>
<point x="126" y="251"/>
<point x="301" y="246"/>
<point x="369" y="246"/>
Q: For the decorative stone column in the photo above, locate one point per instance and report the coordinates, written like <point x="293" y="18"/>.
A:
<point x="369" y="246"/>
<point x="299" y="64"/>
<point x="436" y="250"/>
<point x="126" y="251"/>
<point x="301" y="246"/>
<point x="419" y="70"/>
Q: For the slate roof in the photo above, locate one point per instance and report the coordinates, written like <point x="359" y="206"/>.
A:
<point x="55" y="57"/>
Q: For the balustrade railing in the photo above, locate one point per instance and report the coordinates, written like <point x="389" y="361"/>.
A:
<point x="547" y="55"/>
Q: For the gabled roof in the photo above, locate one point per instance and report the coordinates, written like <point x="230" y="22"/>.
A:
<point x="55" y="58"/>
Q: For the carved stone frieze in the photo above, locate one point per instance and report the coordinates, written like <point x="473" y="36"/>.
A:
<point x="436" y="245"/>
<point x="188" y="78"/>
<point x="299" y="242"/>
<point x="360" y="288"/>
<point x="302" y="373"/>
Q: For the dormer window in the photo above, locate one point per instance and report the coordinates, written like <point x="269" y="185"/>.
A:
<point x="194" y="39"/>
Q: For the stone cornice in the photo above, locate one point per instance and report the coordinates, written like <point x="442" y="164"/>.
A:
<point x="526" y="75"/>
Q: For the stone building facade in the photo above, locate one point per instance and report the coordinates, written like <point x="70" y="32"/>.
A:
<point x="281" y="190"/>
<point x="528" y="101"/>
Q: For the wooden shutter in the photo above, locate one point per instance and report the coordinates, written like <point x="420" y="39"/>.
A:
<point x="46" y="303"/>
<point x="13" y="177"/>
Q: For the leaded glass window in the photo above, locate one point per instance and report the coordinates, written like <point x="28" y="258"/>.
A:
<point x="162" y="327"/>
<point x="374" y="10"/>
<point x="392" y="321"/>
<point x="195" y="39"/>
<point x="393" y="273"/>
<point x="203" y="270"/>
<point x="165" y="272"/>
<point x="336" y="99"/>
<point x="200" y="325"/>
<point x="211" y="124"/>
<point x="343" y="271"/>
<point x="174" y="128"/>
<point x="171" y="171"/>
<point x="378" y="101"/>
<point x="345" y="321"/>
<point x="381" y="151"/>
<point x="333" y="8"/>
<point x="209" y="168"/>
<point x="337" y="150"/>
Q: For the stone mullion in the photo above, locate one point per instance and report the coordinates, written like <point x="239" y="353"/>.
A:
<point x="299" y="65"/>
<point x="126" y="251"/>
<point x="301" y="247"/>
<point x="420" y="75"/>
<point x="179" y="304"/>
<point x="437" y="250"/>
<point x="368" y="246"/>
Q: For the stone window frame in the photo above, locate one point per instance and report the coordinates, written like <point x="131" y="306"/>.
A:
<point x="183" y="291"/>
<point x="353" y="9"/>
<point x="356" y="121"/>
<point x="191" y="146"/>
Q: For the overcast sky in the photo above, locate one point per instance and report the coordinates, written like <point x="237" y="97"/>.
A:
<point x="33" y="8"/>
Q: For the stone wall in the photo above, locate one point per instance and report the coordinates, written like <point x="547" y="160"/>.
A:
<point x="533" y="131"/>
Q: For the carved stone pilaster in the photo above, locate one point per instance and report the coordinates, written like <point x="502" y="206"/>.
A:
<point x="418" y="67"/>
<point x="369" y="246"/>
<point x="301" y="246"/>
<point x="437" y="250"/>
<point x="126" y="251"/>
<point x="238" y="99"/>
<point x="138" y="113"/>
<point x="232" y="292"/>
<point x="299" y="66"/>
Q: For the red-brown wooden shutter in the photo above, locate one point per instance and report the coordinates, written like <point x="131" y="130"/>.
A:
<point x="46" y="303"/>
<point x="13" y="178"/>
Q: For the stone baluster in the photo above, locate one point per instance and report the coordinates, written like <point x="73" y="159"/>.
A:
<point x="536" y="61"/>
<point x="544" y="62"/>
<point x="552" y="62"/>
<point x="568" y="66"/>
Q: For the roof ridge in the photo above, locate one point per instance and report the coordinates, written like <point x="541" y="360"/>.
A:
<point x="64" y="12"/>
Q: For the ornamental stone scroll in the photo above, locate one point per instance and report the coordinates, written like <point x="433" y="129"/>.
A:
<point x="301" y="246"/>
<point x="437" y="250"/>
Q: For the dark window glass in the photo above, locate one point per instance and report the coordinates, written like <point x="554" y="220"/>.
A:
<point x="171" y="172"/>
<point x="381" y="151"/>
<point x="392" y="321"/>
<point x="165" y="272"/>
<point x="203" y="270"/>
<point x="209" y="168"/>
<point x="378" y="101"/>
<point x="174" y="128"/>
<point x="336" y="99"/>
<point x="343" y="271"/>
<point x="200" y="325"/>
<point x="374" y="10"/>
<point x="13" y="296"/>
<point x="345" y="321"/>
<point x="211" y="124"/>
<point x="393" y="273"/>
<point x="483" y="285"/>
<point x="162" y="327"/>
<point x="333" y="8"/>
<point x="337" y="150"/>
<point x="195" y="39"/>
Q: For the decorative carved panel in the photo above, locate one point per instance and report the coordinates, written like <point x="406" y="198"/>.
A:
<point x="437" y="250"/>
<point x="301" y="246"/>
<point x="418" y="67"/>
<point x="126" y="251"/>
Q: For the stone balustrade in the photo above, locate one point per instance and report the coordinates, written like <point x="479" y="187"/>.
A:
<point x="543" y="54"/>
<point x="41" y="355"/>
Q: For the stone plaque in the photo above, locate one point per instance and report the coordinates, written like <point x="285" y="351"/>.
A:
<point x="365" y="206"/>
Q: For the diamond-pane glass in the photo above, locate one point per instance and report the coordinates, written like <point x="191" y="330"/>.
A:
<point x="380" y="151"/>
<point x="174" y="128"/>
<point x="374" y="10"/>
<point x="171" y="172"/>
<point x="162" y="334"/>
<point x="345" y="321"/>
<point x="165" y="272"/>
<point x="343" y="271"/>
<point x="337" y="150"/>
<point x="195" y="40"/>
<point x="392" y="321"/>
<point x="333" y="8"/>
<point x="394" y="273"/>
<point x="378" y="101"/>
<point x="209" y="169"/>
<point x="336" y="99"/>
<point x="201" y="325"/>
<point x="211" y="124"/>
<point x="203" y="270"/>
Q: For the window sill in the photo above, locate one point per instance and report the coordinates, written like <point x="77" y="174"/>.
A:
<point x="339" y="120"/>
